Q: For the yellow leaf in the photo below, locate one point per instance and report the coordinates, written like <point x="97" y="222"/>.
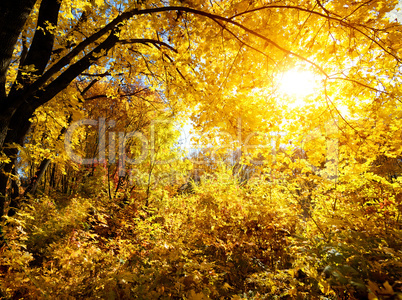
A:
<point x="197" y="296"/>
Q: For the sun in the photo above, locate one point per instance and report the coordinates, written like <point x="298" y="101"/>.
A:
<point x="298" y="84"/>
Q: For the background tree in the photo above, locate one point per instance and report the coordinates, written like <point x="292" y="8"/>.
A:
<point x="123" y="111"/>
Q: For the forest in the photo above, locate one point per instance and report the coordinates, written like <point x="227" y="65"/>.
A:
<point x="200" y="149"/>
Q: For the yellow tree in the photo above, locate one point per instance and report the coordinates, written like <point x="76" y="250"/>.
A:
<point x="212" y="56"/>
<point x="118" y="112"/>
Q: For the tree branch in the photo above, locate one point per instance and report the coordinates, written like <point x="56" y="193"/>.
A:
<point x="117" y="22"/>
<point x="341" y="21"/>
<point x="146" y="42"/>
<point x="65" y="60"/>
<point x="326" y="10"/>
<point x="64" y="79"/>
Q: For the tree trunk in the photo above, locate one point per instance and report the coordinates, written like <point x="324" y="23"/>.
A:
<point x="13" y="15"/>
<point x="33" y="185"/>
<point x="18" y="128"/>
<point x="52" y="181"/>
<point x="17" y="107"/>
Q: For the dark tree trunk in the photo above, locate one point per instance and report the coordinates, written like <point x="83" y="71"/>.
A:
<point x="15" y="187"/>
<point x="18" y="128"/>
<point x="14" y="117"/>
<point x="13" y="15"/>
<point x="33" y="185"/>
<point x="17" y="107"/>
<point x="52" y="181"/>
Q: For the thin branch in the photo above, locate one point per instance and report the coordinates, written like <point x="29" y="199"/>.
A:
<point x="86" y="89"/>
<point x="285" y="7"/>
<point x="357" y="8"/>
<point x="147" y="41"/>
<point x="359" y="83"/>
<point x="177" y="69"/>
<point x="244" y="43"/>
<point x="101" y="74"/>
<point x="135" y="93"/>
<point x="341" y="21"/>
<point x="325" y="10"/>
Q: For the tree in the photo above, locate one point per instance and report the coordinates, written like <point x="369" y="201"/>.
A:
<point x="319" y="217"/>
<point x="204" y="54"/>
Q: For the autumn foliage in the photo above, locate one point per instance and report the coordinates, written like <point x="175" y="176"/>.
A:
<point x="288" y="189"/>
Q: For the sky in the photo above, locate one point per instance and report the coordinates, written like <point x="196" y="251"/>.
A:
<point x="395" y="14"/>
